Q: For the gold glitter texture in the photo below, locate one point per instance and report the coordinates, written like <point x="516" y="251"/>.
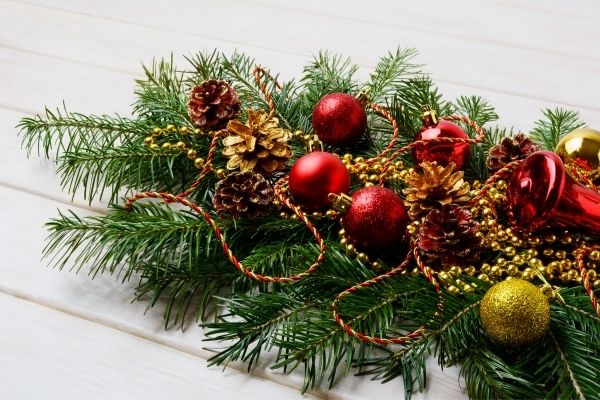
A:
<point x="515" y="313"/>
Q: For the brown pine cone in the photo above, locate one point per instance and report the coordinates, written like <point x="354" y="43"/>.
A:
<point x="434" y="187"/>
<point x="260" y="145"/>
<point x="212" y="104"/>
<point x="510" y="149"/>
<point x="449" y="235"/>
<point x="243" y="195"/>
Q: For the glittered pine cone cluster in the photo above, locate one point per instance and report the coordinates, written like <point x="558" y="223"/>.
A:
<point x="259" y="145"/>
<point x="449" y="235"/>
<point x="243" y="195"/>
<point x="434" y="187"/>
<point x="510" y="149"/>
<point x="212" y="104"/>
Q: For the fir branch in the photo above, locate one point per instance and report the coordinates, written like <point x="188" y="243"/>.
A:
<point x="96" y="170"/>
<point x="326" y="74"/>
<point x="162" y="96"/>
<point x="554" y="125"/>
<point x="390" y="74"/>
<point x="61" y="131"/>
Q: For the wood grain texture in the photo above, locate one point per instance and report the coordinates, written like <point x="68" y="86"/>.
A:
<point x="78" y="338"/>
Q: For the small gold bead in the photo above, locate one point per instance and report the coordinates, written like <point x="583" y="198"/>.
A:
<point x="373" y="178"/>
<point x="564" y="277"/>
<point x="347" y="156"/>
<point x="376" y="265"/>
<point x="470" y="270"/>
<point x="362" y="257"/>
<point x="149" y="141"/>
<point x="283" y="215"/>
<point x="192" y="154"/>
<point x="551" y="238"/>
<point x="595" y="255"/>
<point x="170" y="128"/>
<point x="501" y="262"/>
<point x="359" y="160"/>
<point x="501" y="184"/>
<point x="486" y="268"/>
<point x="468" y="288"/>
<point x="157" y="131"/>
<point x="180" y="146"/>
<point x="453" y="289"/>
<point x="592" y="275"/>
<point x="294" y="217"/>
<point x="573" y="275"/>
<point x="596" y="284"/>
<point x="495" y="245"/>
<point x="184" y="130"/>
<point x="518" y="260"/>
<point x="548" y="252"/>
<point x="167" y="146"/>
<point x="317" y="215"/>
<point x="350" y="249"/>
<point x="483" y="277"/>
<point x="456" y="270"/>
<point x="510" y="251"/>
<point x="560" y="254"/>
<point x="369" y="184"/>
<point x="363" y="177"/>
<point x="197" y="132"/>
<point x="221" y="173"/>
<point x="343" y="241"/>
<point x="331" y="214"/>
<point x="154" y="146"/>
<point x="535" y="262"/>
<point x="199" y="162"/>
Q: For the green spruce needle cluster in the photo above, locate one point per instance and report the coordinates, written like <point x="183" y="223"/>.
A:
<point x="176" y="259"/>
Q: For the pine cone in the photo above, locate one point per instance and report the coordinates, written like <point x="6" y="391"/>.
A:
<point x="243" y="195"/>
<point x="260" y="145"/>
<point x="212" y="104"/>
<point x="510" y="149"/>
<point x="449" y="235"/>
<point x="434" y="187"/>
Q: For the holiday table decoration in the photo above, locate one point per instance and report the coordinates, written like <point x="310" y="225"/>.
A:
<point x="434" y="231"/>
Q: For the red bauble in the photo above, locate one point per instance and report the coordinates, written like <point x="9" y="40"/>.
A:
<point x="442" y="153"/>
<point x="314" y="176"/>
<point x="339" y="119"/>
<point x="376" y="219"/>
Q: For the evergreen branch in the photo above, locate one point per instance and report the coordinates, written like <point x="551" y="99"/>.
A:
<point x="95" y="170"/>
<point x="568" y="369"/>
<point x="162" y="96"/>
<point x="390" y="74"/>
<point x="61" y="131"/>
<point x="556" y="123"/>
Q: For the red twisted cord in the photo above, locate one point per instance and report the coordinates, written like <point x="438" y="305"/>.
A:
<point x="258" y="73"/>
<point x="378" y="279"/>
<point x="585" y="280"/>
<point x="279" y="192"/>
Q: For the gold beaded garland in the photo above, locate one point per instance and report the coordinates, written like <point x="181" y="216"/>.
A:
<point x="515" y="313"/>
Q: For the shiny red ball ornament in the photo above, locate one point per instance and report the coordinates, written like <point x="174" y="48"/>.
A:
<point x="376" y="219"/>
<point x="339" y="119"/>
<point x="442" y="153"/>
<point x="314" y="176"/>
<point x="542" y="194"/>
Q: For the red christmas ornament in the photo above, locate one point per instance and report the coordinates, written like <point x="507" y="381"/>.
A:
<point x="376" y="219"/>
<point x="442" y="153"/>
<point x="314" y="176"/>
<point x="339" y="119"/>
<point x="542" y="194"/>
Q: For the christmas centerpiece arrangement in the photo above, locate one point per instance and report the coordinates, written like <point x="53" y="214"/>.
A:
<point x="344" y="226"/>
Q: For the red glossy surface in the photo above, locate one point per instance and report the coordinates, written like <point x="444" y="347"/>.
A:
<point x="314" y="176"/>
<point x="339" y="119"/>
<point x="542" y="194"/>
<point x="376" y="219"/>
<point x="443" y="154"/>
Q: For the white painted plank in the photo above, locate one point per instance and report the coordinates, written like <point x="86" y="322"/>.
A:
<point x="47" y="354"/>
<point x="489" y="66"/>
<point x="107" y="302"/>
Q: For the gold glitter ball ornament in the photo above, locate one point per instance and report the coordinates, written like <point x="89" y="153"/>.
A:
<point x="515" y="313"/>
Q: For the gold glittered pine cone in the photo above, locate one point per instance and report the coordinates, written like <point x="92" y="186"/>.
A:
<point x="433" y="187"/>
<point x="259" y="145"/>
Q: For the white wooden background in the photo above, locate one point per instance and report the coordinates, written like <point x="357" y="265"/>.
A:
<point x="65" y="336"/>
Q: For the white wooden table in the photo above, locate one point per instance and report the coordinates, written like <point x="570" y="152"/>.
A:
<point x="65" y="336"/>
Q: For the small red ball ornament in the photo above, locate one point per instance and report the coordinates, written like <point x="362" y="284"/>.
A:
<point x="376" y="219"/>
<point x="314" y="176"/>
<point x="339" y="119"/>
<point x="442" y="153"/>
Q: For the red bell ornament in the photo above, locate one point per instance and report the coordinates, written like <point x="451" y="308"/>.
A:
<point x="314" y="175"/>
<point x="375" y="219"/>
<point x="442" y="153"/>
<point x="339" y="119"/>
<point x="542" y="194"/>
